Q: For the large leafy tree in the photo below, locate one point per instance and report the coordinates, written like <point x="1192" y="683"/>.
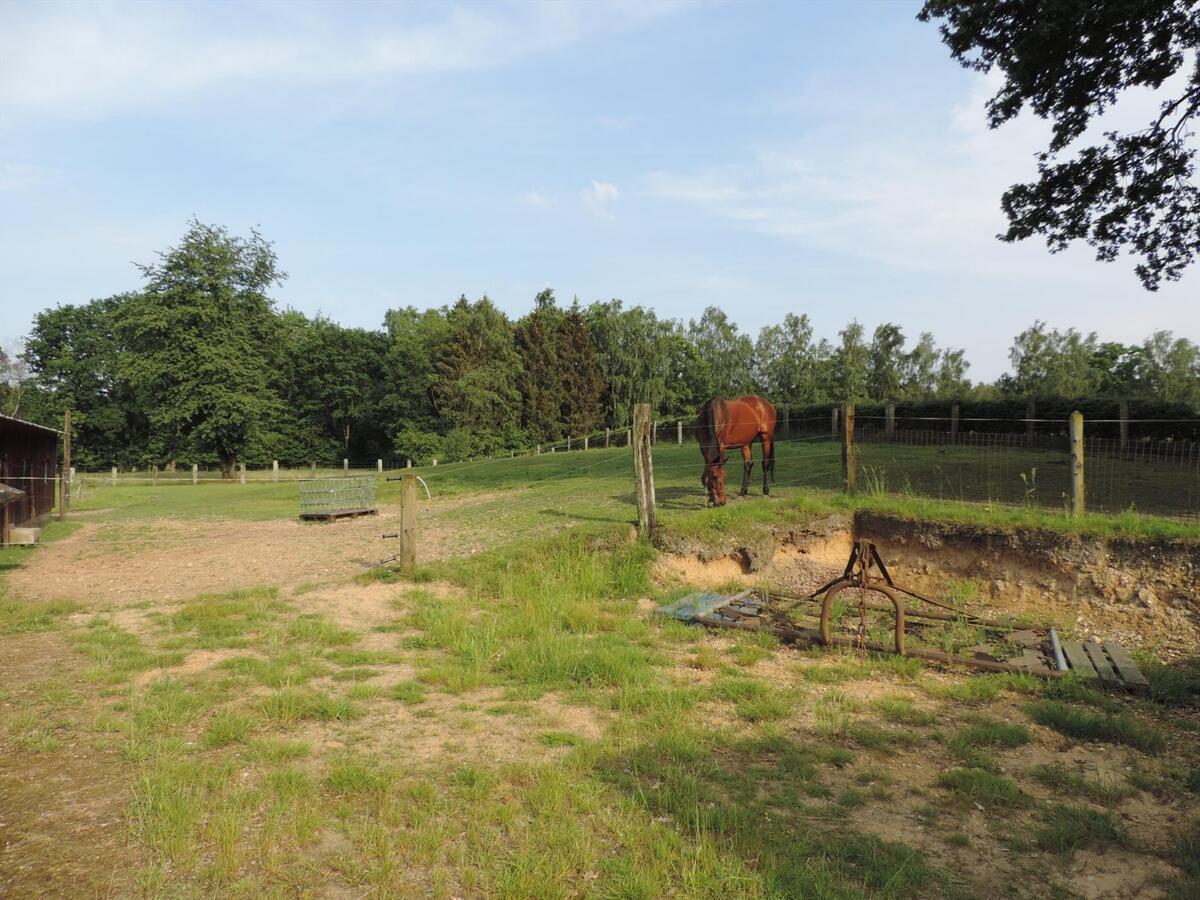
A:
<point x="541" y="378"/>
<point x="1069" y="61"/>
<point x="582" y="382"/>
<point x="201" y="341"/>
<point x="886" y="363"/>
<point x="851" y="364"/>
<point x="786" y="362"/>
<point x="1051" y="363"/>
<point x="729" y="353"/>
<point x="72" y="354"/>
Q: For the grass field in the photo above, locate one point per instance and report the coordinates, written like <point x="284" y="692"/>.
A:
<point x="202" y="697"/>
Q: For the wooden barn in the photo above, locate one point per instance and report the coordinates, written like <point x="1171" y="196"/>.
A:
<point x="28" y="461"/>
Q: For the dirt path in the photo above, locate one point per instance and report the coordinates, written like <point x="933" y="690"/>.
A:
<point x="171" y="559"/>
<point x="62" y="812"/>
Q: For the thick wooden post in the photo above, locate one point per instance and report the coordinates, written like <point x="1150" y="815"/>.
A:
<point x="849" y="455"/>
<point x="833" y="423"/>
<point x="408" y="463"/>
<point x="679" y="432"/>
<point x="889" y="419"/>
<point x="407" y="557"/>
<point x="954" y="424"/>
<point x="643" y="469"/>
<point x="539" y="450"/>
<point x="1124" y="414"/>
<point x="195" y="473"/>
<point x="1030" y="415"/>
<point x="65" y="488"/>
<point x="1077" y="482"/>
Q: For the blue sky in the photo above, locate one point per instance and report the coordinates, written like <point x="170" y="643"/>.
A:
<point x="826" y="158"/>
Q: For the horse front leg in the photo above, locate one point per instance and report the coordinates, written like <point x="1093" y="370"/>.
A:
<point x="747" y="465"/>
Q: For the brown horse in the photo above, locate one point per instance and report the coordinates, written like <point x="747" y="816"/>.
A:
<point x="725" y="424"/>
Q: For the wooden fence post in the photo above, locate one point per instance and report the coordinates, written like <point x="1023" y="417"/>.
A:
<point x="114" y="476"/>
<point x="408" y="463"/>
<point x="379" y="466"/>
<point x="628" y="437"/>
<point x="833" y="423"/>
<point x="243" y="473"/>
<point x="65" y="487"/>
<point x="607" y="433"/>
<point x="195" y="473"/>
<point x="1030" y="415"/>
<point x="643" y="469"/>
<point x="1124" y="414"/>
<point x="1077" y="482"/>
<point x="154" y="474"/>
<point x="345" y="465"/>
<point x="568" y="442"/>
<point x="585" y="442"/>
<point x="313" y="469"/>
<point x="407" y="556"/>
<point x="954" y="424"/>
<point x="275" y="470"/>
<point x="849" y="455"/>
<point x="889" y="419"/>
<point x="786" y="420"/>
<point x="539" y="450"/>
<point x="679" y="432"/>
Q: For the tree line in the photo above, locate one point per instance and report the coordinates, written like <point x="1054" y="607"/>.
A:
<point x="201" y="365"/>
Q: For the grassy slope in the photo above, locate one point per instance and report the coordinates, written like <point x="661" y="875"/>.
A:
<point x="722" y="767"/>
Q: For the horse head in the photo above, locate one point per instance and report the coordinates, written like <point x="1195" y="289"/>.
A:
<point x="713" y="478"/>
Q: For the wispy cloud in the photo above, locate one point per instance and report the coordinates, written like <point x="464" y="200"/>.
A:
<point x="96" y="58"/>
<point x="19" y="176"/>
<point x="597" y="198"/>
<point x="536" y="199"/>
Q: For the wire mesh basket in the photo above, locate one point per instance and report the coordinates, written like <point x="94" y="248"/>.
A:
<point x="327" y="498"/>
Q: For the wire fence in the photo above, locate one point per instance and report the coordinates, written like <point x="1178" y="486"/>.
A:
<point x="1008" y="462"/>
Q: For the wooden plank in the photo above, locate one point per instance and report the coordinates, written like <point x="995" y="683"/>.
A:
<point x="1107" y="673"/>
<point x="1078" y="660"/>
<point x="1125" y="666"/>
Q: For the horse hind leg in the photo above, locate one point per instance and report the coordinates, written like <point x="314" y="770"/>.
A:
<point x="768" y="452"/>
<point x="747" y="465"/>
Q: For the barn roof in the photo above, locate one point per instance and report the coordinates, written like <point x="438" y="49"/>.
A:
<point x="28" y="424"/>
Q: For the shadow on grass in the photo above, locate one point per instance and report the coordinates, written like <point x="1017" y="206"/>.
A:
<point x="762" y="799"/>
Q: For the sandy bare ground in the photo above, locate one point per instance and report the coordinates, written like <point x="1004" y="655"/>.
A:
<point x="172" y="559"/>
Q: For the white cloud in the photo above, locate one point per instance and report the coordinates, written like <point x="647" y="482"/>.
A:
<point x="597" y="198"/>
<point x="92" y="59"/>
<point x="920" y="201"/>
<point x="536" y="199"/>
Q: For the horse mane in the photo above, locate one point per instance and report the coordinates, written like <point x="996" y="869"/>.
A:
<point x="708" y="426"/>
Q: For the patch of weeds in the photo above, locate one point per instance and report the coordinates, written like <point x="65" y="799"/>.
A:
<point x="288" y="706"/>
<point x="983" y="688"/>
<point x="706" y="657"/>
<point x="1068" y="827"/>
<point x="1072" y="688"/>
<point x="957" y="839"/>
<point x="1062" y="780"/>
<point x="275" y="750"/>
<point x="675" y="632"/>
<point x="562" y="661"/>
<point x="903" y="711"/>
<point x="358" y="673"/>
<point x="753" y="700"/>
<point x="38" y="741"/>
<point x="1172" y="685"/>
<point x="873" y="737"/>
<point x="355" y="658"/>
<point x="26" y="617"/>
<point x="410" y="692"/>
<point x="754" y="648"/>
<point x="117" y="654"/>
<point x="1085" y="725"/>
<point x="988" y="789"/>
<point x="353" y="774"/>
<point x="985" y="732"/>
<point x="560" y="739"/>
<point x="831" y="713"/>
<point x="1191" y="780"/>
<point x="851" y="798"/>
<point x="229" y="619"/>
<point x="226" y="728"/>
<point x="362" y="691"/>
<point x="316" y="629"/>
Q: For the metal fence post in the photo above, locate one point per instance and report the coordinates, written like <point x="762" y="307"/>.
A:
<point x="643" y="468"/>
<point x="1077" y="482"/>
<point x="849" y="455"/>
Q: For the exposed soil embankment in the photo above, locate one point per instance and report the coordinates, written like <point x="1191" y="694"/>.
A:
<point x="1134" y="590"/>
<point x="1138" y="591"/>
